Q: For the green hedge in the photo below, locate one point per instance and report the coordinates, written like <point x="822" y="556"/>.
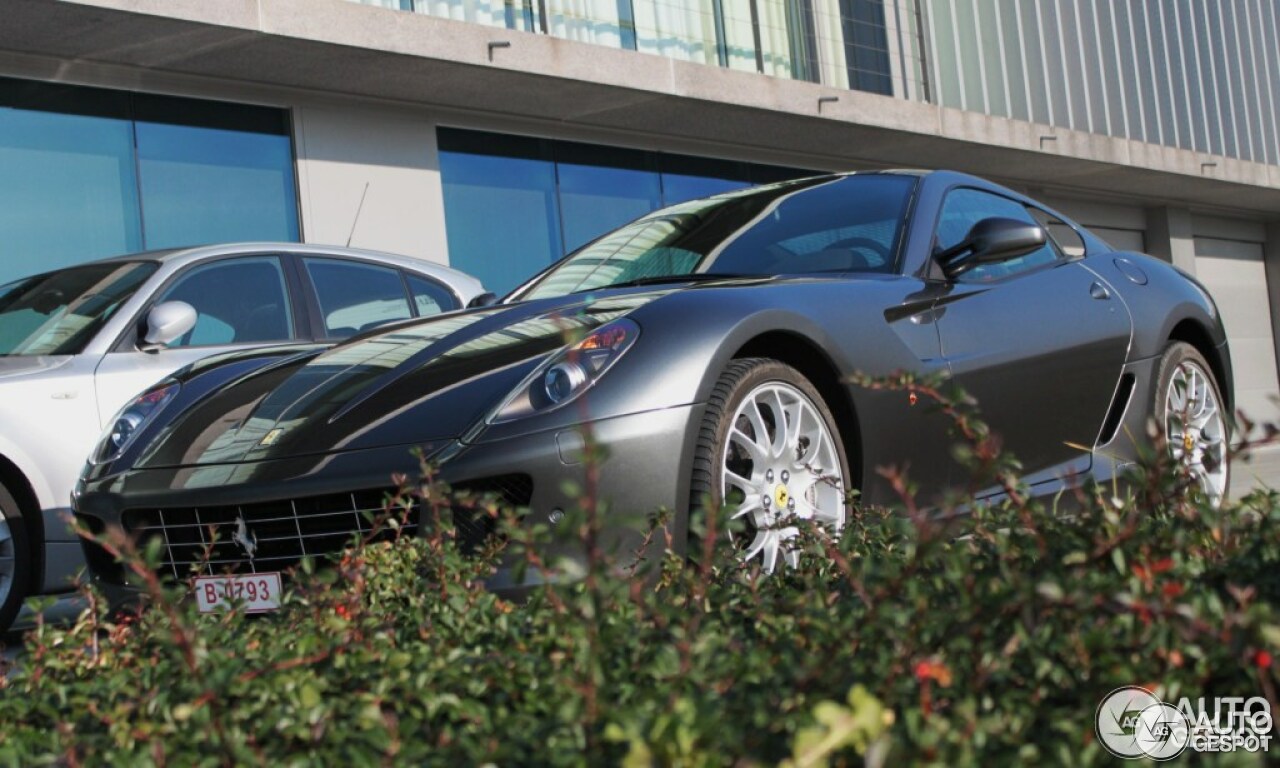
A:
<point x="987" y="640"/>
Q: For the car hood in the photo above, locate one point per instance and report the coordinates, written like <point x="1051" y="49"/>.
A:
<point x="22" y="365"/>
<point x="408" y="384"/>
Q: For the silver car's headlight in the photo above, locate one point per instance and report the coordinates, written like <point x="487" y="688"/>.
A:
<point x="570" y="372"/>
<point x="131" y="419"/>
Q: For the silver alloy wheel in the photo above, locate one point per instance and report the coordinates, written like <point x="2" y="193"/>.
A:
<point x="8" y="558"/>
<point x="780" y="462"/>
<point x="1197" y="429"/>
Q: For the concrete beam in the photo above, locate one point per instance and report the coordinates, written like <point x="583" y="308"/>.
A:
<point x="339" y="47"/>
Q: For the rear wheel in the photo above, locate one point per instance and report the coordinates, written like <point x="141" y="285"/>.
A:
<point x="1189" y="407"/>
<point x="769" y="453"/>
<point x="15" y="559"/>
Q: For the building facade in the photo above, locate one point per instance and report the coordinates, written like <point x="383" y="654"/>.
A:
<point x="495" y="135"/>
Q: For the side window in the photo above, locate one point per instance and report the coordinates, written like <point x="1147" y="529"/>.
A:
<point x="355" y="297"/>
<point x="429" y="297"/>
<point x="1067" y="239"/>
<point x="965" y="207"/>
<point x="238" y="301"/>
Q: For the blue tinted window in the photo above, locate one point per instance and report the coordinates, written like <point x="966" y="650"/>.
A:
<point x="687" y="178"/>
<point x="602" y="188"/>
<point x="67" y="191"/>
<point x="92" y="172"/>
<point x="206" y="185"/>
<point x="500" y="209"/>
<point x="513" y="204"/>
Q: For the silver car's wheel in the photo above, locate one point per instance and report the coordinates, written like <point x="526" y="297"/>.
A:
<point x="14" y="559"/>
<point x="1194" y="422"/>
<point x="776" y="458"/>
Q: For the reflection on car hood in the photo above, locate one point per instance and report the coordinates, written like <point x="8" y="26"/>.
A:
<point x="408" y="384"/>
<point x="23" y="365"/>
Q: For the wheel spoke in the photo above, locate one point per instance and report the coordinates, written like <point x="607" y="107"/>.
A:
<point x="752" y="504"/>
<point x="782" y="426"/>
<point x="738" y="481"/>
<point x="758" y="453"/>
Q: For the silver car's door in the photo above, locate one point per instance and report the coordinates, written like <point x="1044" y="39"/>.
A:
<point x="240" y="302"/>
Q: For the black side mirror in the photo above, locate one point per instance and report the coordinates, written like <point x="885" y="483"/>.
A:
<point x="485" y="299"/>
<point x="990" y="241"/>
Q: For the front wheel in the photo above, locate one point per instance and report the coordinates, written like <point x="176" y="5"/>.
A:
<point x="1188" y="406"/>
<point x="15" y="559"/>
<point x="769" y="453"/>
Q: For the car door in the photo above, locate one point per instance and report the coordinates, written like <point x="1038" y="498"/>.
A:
<point x="240" y="302"/>
<point x="1038" y="340"/>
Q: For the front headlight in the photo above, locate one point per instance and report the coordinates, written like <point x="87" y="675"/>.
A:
<point x="131" y="419"/>
<point x="567" y="374"/>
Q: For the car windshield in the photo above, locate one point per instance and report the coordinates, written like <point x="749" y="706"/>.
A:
<point x="57" y="313"/>
<point x="829" y="224"/>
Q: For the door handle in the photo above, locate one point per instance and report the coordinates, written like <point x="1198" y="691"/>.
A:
<point x="1099" y="291"/>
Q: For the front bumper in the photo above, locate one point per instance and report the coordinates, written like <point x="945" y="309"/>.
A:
<point x="645" y="469"/>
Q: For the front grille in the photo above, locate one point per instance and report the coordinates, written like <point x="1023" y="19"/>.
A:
<point x="279" y="533"/>
<point x="473" y="525"/>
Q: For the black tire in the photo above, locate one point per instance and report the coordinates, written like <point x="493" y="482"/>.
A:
<point x="738" y="380"/>
<point x="1175" y="355"/>
<point x="16" y="550"/>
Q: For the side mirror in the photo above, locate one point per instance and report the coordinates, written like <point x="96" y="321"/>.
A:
<point x="166" y="322"/>
<point x="485" y="299"/>
<point x="990" y="241"/>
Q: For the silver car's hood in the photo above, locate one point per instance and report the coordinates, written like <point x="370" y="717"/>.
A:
<point x="11" y="367"/>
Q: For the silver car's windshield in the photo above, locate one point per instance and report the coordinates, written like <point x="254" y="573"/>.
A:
<point x="57" y="313"/>
<point x="828" y="224"/>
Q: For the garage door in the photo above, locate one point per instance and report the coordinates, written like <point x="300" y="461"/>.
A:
<point x="1121" y="239"/>
<point x="1233" y="272"/>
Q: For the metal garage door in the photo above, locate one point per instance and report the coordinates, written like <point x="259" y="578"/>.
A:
<point x="1232" y="270"/>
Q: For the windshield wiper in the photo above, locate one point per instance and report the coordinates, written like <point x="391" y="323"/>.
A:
<point x="693" y="277"/>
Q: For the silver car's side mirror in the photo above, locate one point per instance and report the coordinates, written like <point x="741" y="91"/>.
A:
<point x="166" y="322"/>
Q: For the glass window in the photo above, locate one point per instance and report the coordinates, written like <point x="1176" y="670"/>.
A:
<point x="740" y="35"/>
<point x="686" y="178"/>
<point x="602" y="188"/>
<point x="356" y="297"/>
<point x="603" y="22"/>
<point x="965" y="207"/>
<point x="59" y="312"/>
<point x="237" y="301"/>
<point x="206" y="185"/>
<point x="845" y="224"/>
<point x="502" y="219"/>
<point x="68" y="192"/>
<point x="678" y="29"/>
<point x="430" y="297"/>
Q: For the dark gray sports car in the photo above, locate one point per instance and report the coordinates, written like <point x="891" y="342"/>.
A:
<point x="708" y="345"/>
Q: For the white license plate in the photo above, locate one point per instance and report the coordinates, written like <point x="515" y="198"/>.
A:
<point x="255" y="592"/>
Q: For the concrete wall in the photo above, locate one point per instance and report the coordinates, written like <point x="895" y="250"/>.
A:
<point x="383" y="156"/>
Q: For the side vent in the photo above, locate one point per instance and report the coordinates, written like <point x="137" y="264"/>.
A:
<point x="1118" y="406"/>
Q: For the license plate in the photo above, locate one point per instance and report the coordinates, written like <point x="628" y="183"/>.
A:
<point x="254" y="592"/>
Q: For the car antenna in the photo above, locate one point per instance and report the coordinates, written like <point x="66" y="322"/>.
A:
<point x="359" y="208"/>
